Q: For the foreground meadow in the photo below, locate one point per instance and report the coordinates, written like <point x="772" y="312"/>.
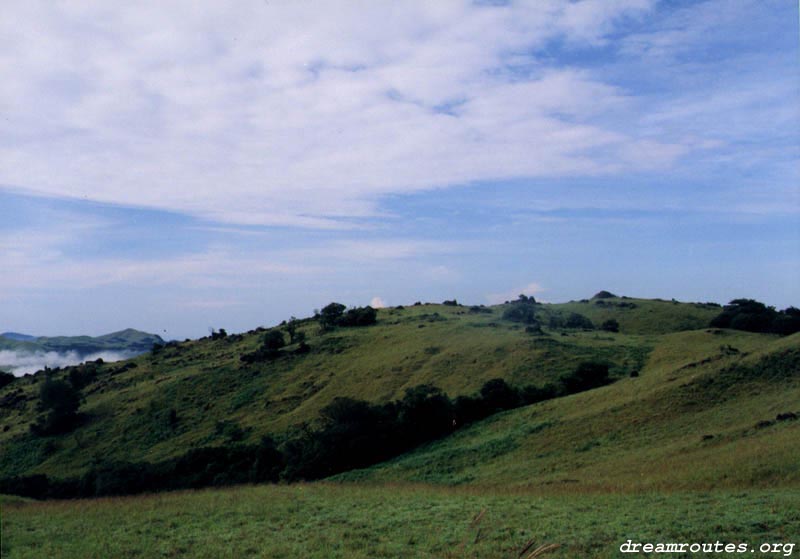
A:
<point x="348" y="521"/>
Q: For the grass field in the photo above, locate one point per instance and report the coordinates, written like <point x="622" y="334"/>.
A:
<point x="345" y="521"/>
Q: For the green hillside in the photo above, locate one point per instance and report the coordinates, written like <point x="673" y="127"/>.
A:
<point x="694" y="441"/>
<point x="710" y="409"/>
<point x="200" y="393"/>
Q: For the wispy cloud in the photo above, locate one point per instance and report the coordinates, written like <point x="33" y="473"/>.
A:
<point x="288" y="114"/>
<point x="310" y="152"/>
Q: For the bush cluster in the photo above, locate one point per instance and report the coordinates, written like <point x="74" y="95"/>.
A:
<point x="753" y="316"/>
<point x="522" y="310"/>
<point x="334" y="315"/>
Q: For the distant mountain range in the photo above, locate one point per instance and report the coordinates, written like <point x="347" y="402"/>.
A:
<point x="128" y="341"/>
<point x="17" y="336"/>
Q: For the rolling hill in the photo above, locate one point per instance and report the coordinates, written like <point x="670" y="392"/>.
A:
<point x="200" y="393"/>
<point x="711" y="409"/>
<point x="694" y="440"/>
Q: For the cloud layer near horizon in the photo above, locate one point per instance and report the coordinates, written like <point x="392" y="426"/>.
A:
<point x="285" y="113"/>
<point x="22" y="363"/>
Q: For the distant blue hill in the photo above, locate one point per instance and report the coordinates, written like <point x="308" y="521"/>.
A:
<point x="17" y="337"/>
<point x="128" y="341"/>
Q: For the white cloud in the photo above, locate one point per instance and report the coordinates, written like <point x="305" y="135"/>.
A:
<point x="292" y="113"/>
<point x="377" y="303"/>
<point x="22" y="363"/>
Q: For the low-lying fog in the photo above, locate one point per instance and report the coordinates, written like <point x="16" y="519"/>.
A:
<point x="21" y="363"/>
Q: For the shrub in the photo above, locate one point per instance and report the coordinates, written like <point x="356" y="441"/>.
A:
<point x="533" y="394"/>
<point x="273" y="341"/>
<point x="359" y="316"/>
<point x="578" y="321"/>
<point x="81" y="376"/>
<point x="610" y="325"/>
<point x="497" y="395"/>
<point x="291" y="329"/>
<point x="522" y="310"/>
<point x="219" y="334"/>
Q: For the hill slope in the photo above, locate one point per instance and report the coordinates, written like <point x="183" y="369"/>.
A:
<point x="711" y="408"/>
<point x="200" y="393"/>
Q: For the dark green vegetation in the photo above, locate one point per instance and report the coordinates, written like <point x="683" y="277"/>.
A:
<point x="688" y="408"/>
<point x="752" y="316"/>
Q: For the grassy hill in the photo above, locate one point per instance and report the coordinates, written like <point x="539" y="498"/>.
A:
<point x="694" y="441"/>
<point x="199" y="393"/>
<point x="702" y="414"/>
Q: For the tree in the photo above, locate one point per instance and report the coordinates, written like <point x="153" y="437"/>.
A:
<point x="6" y="378"/>
<point x="787" y="322"/>
<point x="425" y="413"/>
<point x="60" y="402"/>
<point x="329" y="316"/>
<point x="745" y="314"/>
<point x="362" y="316"/>
<point x="498" y="395"/>
<point x="291" y="329"/>
<point x="273" y="341"/>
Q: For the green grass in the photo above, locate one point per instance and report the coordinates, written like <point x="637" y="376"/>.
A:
<point x="331" y="521"/>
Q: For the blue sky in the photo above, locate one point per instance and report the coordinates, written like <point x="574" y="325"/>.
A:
<point x="173" y="169"/>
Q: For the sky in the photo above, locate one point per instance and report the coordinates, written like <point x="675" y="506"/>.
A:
<point x="179" y="166"/>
